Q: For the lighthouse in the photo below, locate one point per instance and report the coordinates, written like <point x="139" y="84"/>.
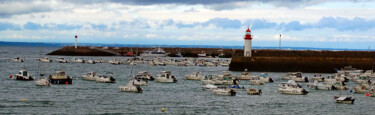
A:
<point x="75" y="42"/>
<point x="247" y="47"/>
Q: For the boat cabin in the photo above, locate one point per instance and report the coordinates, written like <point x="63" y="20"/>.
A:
<point x="23" y="73"/>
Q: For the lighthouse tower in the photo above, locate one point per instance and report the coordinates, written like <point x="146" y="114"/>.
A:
<point x="247" y="47"/>
<point x="75" y="45"/>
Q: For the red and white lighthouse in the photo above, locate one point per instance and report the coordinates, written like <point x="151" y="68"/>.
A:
<point x="247" y="47"/>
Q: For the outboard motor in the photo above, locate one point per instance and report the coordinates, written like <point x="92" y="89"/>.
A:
<point x="323" y="79"/>
<point x="152" y="78"/>
<point x="174" y="79"/>
<point x="304" y="92"/>
<point x="139" y="89"/>
<point x="235" y="81"/>
<point x="112" y="79"/>
<point x="271" y="80"/>
<point x="333" y="88"/>
<point x="232" y="92"/>
<point x="260" y="92"/>
<point x="306" y="79"/>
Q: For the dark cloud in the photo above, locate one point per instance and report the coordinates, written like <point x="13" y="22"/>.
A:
<point x="9" y="26"/>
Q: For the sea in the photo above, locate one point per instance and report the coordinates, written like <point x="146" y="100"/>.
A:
<point x="183" y="97"/>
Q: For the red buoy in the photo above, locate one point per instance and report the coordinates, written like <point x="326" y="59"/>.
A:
<point x="148" y="74"/>
<point x="66" y="83"/>
<point x="10" y="76"/>
<point x="367" y="94"/>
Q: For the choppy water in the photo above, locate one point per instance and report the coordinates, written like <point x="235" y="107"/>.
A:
<point x="183" y="97"/>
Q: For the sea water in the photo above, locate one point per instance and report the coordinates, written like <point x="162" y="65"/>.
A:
<point x="183" y="97"/>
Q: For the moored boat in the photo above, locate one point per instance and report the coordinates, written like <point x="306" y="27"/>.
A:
<point x="291" y="87"/>
<point x="59" y="77"/>
<point x="166" y="77"/>
<point x="194" y="76"/>
<point x="42" y="82"/>
<point x="24" y="76"/>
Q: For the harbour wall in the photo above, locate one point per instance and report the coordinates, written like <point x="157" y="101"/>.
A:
<point x="113" y="51"/>
<point x="303" y="61"/>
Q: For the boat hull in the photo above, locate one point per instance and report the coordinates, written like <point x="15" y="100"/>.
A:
<point x="61" y="81"/>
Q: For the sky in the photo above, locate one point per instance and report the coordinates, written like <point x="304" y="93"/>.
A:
<point x="302" y="23"/>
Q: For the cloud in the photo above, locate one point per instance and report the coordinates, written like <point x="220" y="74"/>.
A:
<point x="9" y="26"/>
<point x="32" y="26"/>
<point x="9" y="8"/>
<point x="218" y="22"/>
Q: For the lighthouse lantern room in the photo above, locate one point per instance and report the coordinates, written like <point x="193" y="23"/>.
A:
<point x="247" y="47"/>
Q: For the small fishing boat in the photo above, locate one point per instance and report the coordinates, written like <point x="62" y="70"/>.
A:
<point x="91" y="61"/>
<point x="207" y="80"/>
<point x="245" y="76"/>
<point x="166" y="77"/>
<point x="61" y="60"/>
<point x="59" y="77"/>
<point x="340" y="86"/>
<point x="42" y="82"/>
<point x="100" y="60"/>
<point x="343" y="99"/>
<point x="91" y="76"/>
<point x="139" y="82"/>
<point x="256" y="81"/>
<point x="254" y="92"/>
<point x="77" y="60"/>
<point x="45" y="59"/>
<point x="209" y="86"/>
<point x="17" y="59"/>
<point x="291" y="87"/>
<point x="114" y="62"/>
<point x="295" y="76"/>
<point x="317" y="77"/>
<point x="264" y="77"/>
<point x="24" y="76"/>
<point x="144" y="76"/>
<point x="158" y="52"/>
<point x="224" y="91"/>
<point x="105" y="79"/>
<point x="194" y="76"/>
<point x="130" y="87"/>
<point x="320" y="86"/>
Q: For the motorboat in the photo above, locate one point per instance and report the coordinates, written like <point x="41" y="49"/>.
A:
<point x="24" y="75"/>
<point x="344" y="99"/>
<point x="209" y="86"/>
<point x="264" y="77"/>
<point x="224" y="91"/>
<point x="139" y="82"/>
<point x="77" y="60"/>
<point x="245" y="76"/>
<point x="166" y="77"/>
<point x="194" y="76"/>
<point x="254" y="92"/>
<point x="130" y="87"/>
<point x="91" y="76"/>
<point x="364" y="88"/>
<point x="340" y="86"/>
<point x="317" y="77"/>
<point x="17" y="59"/>
<point x="91" y="61"/>
<point x="331" y="79"/>
<point x="202" y="54"/>
<point x="320" y="86"/>
<point x="158" y="52"/>
<point x="61" y="60"/>
<point x="363" y="79"/>
<point x="207" y="80"/>
<point x="144" y="76"/>
<point x="295" y="76"/>
<point x="105" y="79"/>
<point x="225" y="79"/>
<point x="42" y="82"/>
<point x="114" y="62"/>
<point x="100" y="60"/>
<point x="59" y="77"/>
<point x="256" y="81"/>
<point x="291" y="87"/>
<point x="45" y="59"/>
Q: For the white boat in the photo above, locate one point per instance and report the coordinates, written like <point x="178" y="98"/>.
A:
<point x="91" y="76"/>
<point x="225" y="79"/>
<point x="100" y="60"/>
<point x="61" y="60"/>
<point x="320" y="86"/>
<point x="139" y="82"/>
<point x="207" y="80"/>
<point x="144" y="76"/>
<point x="343" y="99"/>
<point x="340" y="86"/>
<point x="45" y="59"/>
<point x="114" y="62"/>
<point x="331" y="79"/>
<point x="295" y="76"/>
<point x="91" y="61"/>
<point x="154" y="53"/>
<point x="77" y="60"/>
<point x="254" y="92"/>
<point x="105" y="79"/>
<point x="245" y="76"/>
<point x="42" y="82"/>
<point x="224" y="91"/>
<point x="291" y="87"/>
<point x="166" y="77"/>
<point x="202" y="54"/>
<point x="208" y="86"/>
<point x="129" y="87"/>
<point x="264" y="77"/>
<point x="24" y="75"/>
<point x="194" y="76"/>
<point x="364" y="88"/>
<point x="60" y="77"/>
<point x="363" y="79"/>
<point x="17" y="59"/>
<point x="256" y="81"/>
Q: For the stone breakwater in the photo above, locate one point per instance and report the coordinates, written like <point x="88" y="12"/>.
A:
<point x="112" y="51"/>
<point x="303" y="61"/>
